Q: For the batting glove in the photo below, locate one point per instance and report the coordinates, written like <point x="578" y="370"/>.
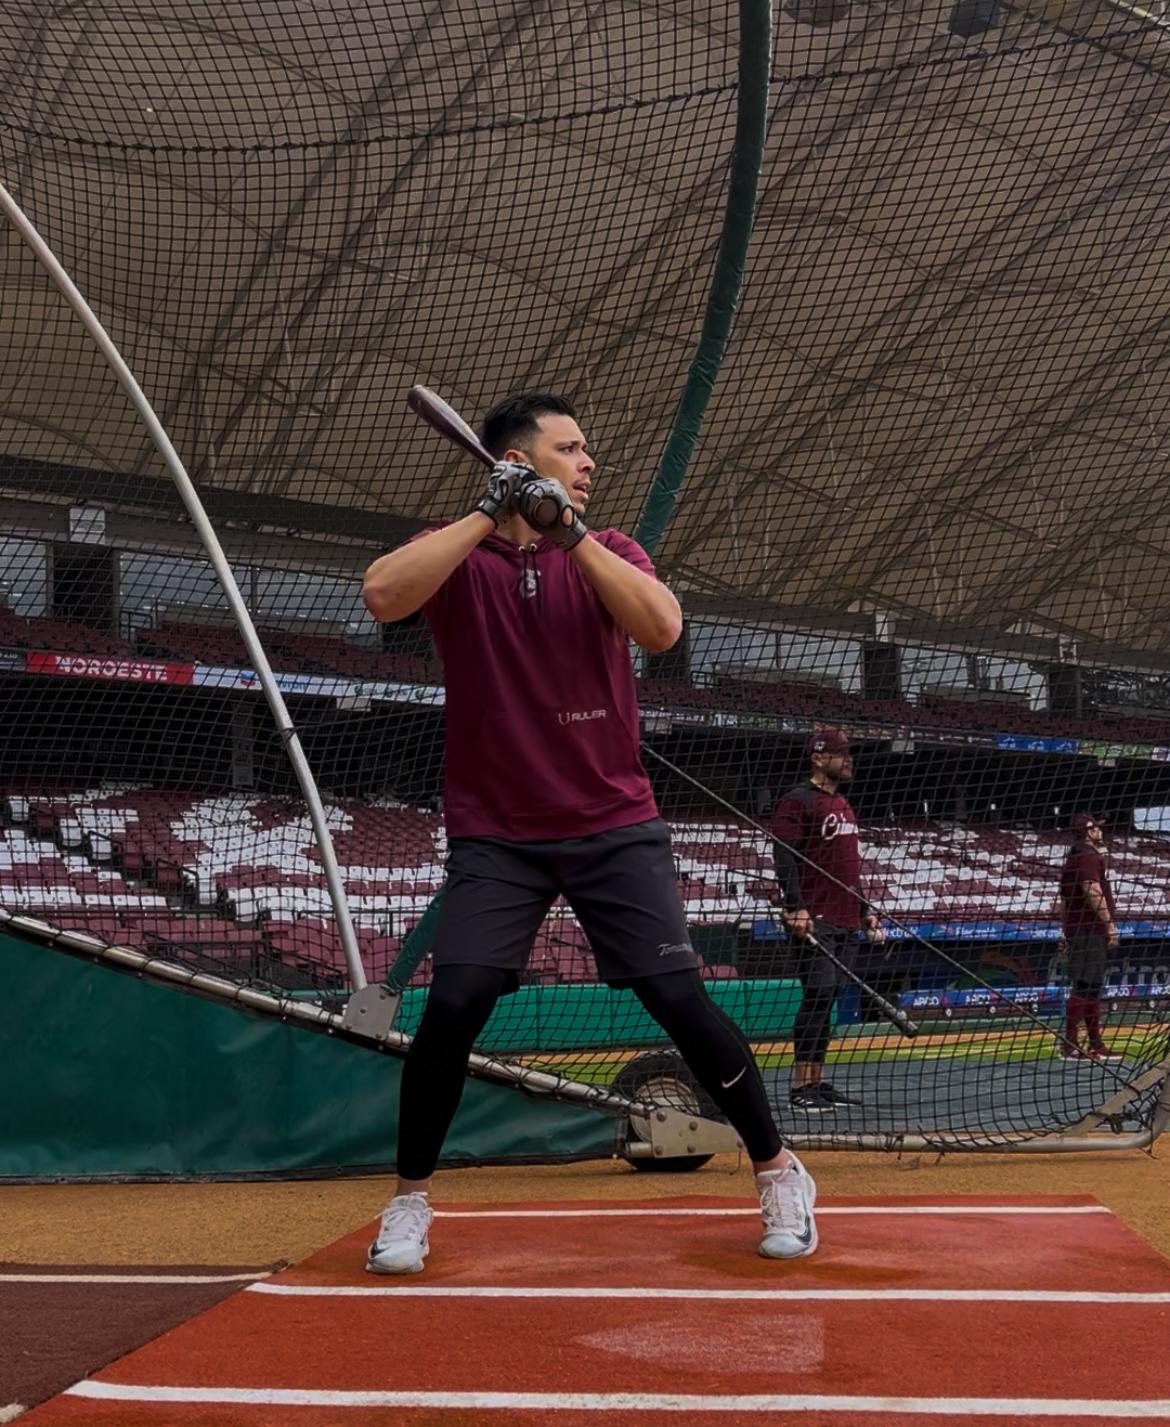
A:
<point x="546" y="506"/>
<point x="504" y="482"/>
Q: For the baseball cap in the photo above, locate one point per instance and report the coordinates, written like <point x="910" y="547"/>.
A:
<point x="1083" y="821"/>
<point x="827" y="740"/>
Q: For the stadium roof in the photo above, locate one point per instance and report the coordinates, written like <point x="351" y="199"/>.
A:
<point x="946" y="394"/>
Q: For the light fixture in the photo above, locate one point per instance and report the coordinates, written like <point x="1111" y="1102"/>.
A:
<point x="975" y="17"/>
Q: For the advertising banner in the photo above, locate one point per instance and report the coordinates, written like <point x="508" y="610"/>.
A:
<point x="101" y="666"/>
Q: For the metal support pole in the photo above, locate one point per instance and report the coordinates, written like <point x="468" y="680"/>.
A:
<point x="190" y="498"/>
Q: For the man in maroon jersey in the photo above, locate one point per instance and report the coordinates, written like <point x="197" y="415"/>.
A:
<point x="546" y="794"/>
<point x="819" y="891"/>
<point x="1089" y="930"/>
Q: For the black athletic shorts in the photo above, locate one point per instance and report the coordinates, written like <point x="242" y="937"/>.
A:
<point x="621" y="885"/>
<point x="1088" y="957"/>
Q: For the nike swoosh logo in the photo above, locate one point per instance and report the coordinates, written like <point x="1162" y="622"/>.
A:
<point x="805" y="1237"/>
<point x="727" y="1084"/>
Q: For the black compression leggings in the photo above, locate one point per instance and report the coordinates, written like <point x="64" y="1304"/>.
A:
<point x="460" y="1001"/>
<point x="463" y="997"/>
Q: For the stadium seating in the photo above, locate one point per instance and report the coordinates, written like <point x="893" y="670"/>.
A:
<point x="289" y="651"/>
<point x="233" y="878"/>
<point x="294" y="651"/>
<point x="221" y="645"/>
<point x="827" y="704"/>
<point x="56" y="636"/>
<point x="223" y="877"/>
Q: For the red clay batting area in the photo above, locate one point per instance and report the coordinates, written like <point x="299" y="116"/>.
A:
<point x="593" y="1315"/>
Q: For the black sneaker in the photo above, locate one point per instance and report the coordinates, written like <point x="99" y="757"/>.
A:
<point x="832" y="1098"/>
<point x="808" y="1099"/>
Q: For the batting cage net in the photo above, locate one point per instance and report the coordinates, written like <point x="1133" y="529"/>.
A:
<point x="913" y="492"/>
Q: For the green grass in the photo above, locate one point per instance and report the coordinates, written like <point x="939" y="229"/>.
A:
<point x="1139" y="1046"/>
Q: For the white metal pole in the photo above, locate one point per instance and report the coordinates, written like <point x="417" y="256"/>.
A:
<point x="190" y="499"/>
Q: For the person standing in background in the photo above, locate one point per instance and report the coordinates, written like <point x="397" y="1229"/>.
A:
<point x="821" y="900"/>
<point x="1089" y="932"/>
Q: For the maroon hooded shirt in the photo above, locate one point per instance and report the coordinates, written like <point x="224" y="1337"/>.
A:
<point x="542" y="715"/>
<point x="1084" y="864"/>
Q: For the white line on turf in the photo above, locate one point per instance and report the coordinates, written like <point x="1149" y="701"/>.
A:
<point x="1018" y="1408"/>
<point x="12" y="1411"/>
<point x="894" y="1209"/>
<point x="170" y="1278"/>
<point x="733" y="1295"/>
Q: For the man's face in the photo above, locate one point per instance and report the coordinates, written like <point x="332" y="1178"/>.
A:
<point x="837" y="766"/>
<point x="558" y="452"/>
<point x="1094" y="835"/>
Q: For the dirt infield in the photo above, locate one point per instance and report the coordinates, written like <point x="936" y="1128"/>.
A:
<point x="260" y="1223"/>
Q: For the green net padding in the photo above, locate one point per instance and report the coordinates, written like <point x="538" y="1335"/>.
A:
<point x="925" y="504"/>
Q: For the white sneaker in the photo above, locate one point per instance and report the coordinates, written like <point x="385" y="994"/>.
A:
<point x="787" y="1197"/>
<point x="402" y="1244"/>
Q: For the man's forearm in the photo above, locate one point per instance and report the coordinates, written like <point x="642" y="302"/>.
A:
<point x="787" y="876"/>
<point x="401" y="582"/>
<point x="640" y="604"/>
<point x="1098" y="903"/>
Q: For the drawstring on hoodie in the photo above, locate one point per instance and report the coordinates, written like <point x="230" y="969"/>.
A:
<point x="529" y="583"/>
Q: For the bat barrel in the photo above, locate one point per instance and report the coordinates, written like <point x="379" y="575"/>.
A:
<point x="446" y="421"/>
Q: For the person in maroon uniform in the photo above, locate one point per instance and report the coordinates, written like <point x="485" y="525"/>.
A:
<point x="1089" y="933"/>
<point x="545" y="794"/>
<point x="821" y="900"/>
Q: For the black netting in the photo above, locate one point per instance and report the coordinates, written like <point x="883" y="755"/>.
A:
<point x="926" y="505"/>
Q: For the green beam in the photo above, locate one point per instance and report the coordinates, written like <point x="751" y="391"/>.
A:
<point x="416" y="945"/>
<point x="751" y="127"/>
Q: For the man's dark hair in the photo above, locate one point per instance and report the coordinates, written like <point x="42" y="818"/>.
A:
<point x="511" y="423"/>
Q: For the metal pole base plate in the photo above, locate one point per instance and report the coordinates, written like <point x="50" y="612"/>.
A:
<point x="372" y="1011"/>
<point x="675" y="1134"/>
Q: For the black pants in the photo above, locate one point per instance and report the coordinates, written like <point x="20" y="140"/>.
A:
<point x="462" y="998"/>
<point x="821" y="982"/>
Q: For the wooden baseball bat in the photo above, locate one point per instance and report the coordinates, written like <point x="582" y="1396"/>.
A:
<point x="447" y="422"/>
